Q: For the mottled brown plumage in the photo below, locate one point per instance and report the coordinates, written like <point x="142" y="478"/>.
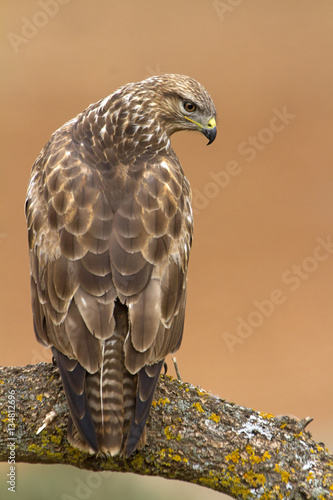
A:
<point x="110" y="229"/>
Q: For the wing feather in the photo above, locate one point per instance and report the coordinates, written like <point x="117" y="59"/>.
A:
<point x="98" y="264"/>
<point x="70" y="246"/>
<point x="70" y="220"/>
<point x="125" y="262"/>
<point x="64" y="279"/>
<point x="86" y="348"/>
<point x="157" y="313"/>
<point x="98" y="316"/>
<point x="132" y="284"/>
<point x="145" y="316"/>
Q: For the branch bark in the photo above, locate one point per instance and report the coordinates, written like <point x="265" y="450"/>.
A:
<point x="193" y="436"/>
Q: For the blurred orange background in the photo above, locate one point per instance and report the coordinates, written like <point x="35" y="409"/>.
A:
<point x="259" y="319"/>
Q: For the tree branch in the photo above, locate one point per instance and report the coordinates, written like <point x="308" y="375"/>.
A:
<point x="192" y="436"/>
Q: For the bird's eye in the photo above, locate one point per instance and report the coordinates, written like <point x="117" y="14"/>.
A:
<point x="189" y="106"/>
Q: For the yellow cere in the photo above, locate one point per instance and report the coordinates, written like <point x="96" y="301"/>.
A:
<point x="211" y="123"/>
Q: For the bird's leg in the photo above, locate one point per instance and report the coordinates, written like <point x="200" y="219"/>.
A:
<point x="174" y="360"/>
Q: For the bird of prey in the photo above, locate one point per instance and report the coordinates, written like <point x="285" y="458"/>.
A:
<point x="110" y="224"/>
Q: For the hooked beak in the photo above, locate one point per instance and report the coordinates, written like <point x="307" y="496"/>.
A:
<point x="210" y="131"/>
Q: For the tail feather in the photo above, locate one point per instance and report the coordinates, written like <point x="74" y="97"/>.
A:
<point x="81" y="429"/>
<point x="129" y="387"/>
<point x="106" y="398"/>
<point x="147" y="381"/>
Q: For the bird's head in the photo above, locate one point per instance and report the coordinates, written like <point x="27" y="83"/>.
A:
<point x="199" y="121"/>
<point x="143" y="115"/>
<point x="184" y="104"/>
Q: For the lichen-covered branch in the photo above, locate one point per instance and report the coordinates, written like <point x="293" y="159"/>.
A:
<point x="192" y="436"/>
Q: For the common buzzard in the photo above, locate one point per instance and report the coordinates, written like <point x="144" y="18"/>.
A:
<point x="110" y="228"/>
